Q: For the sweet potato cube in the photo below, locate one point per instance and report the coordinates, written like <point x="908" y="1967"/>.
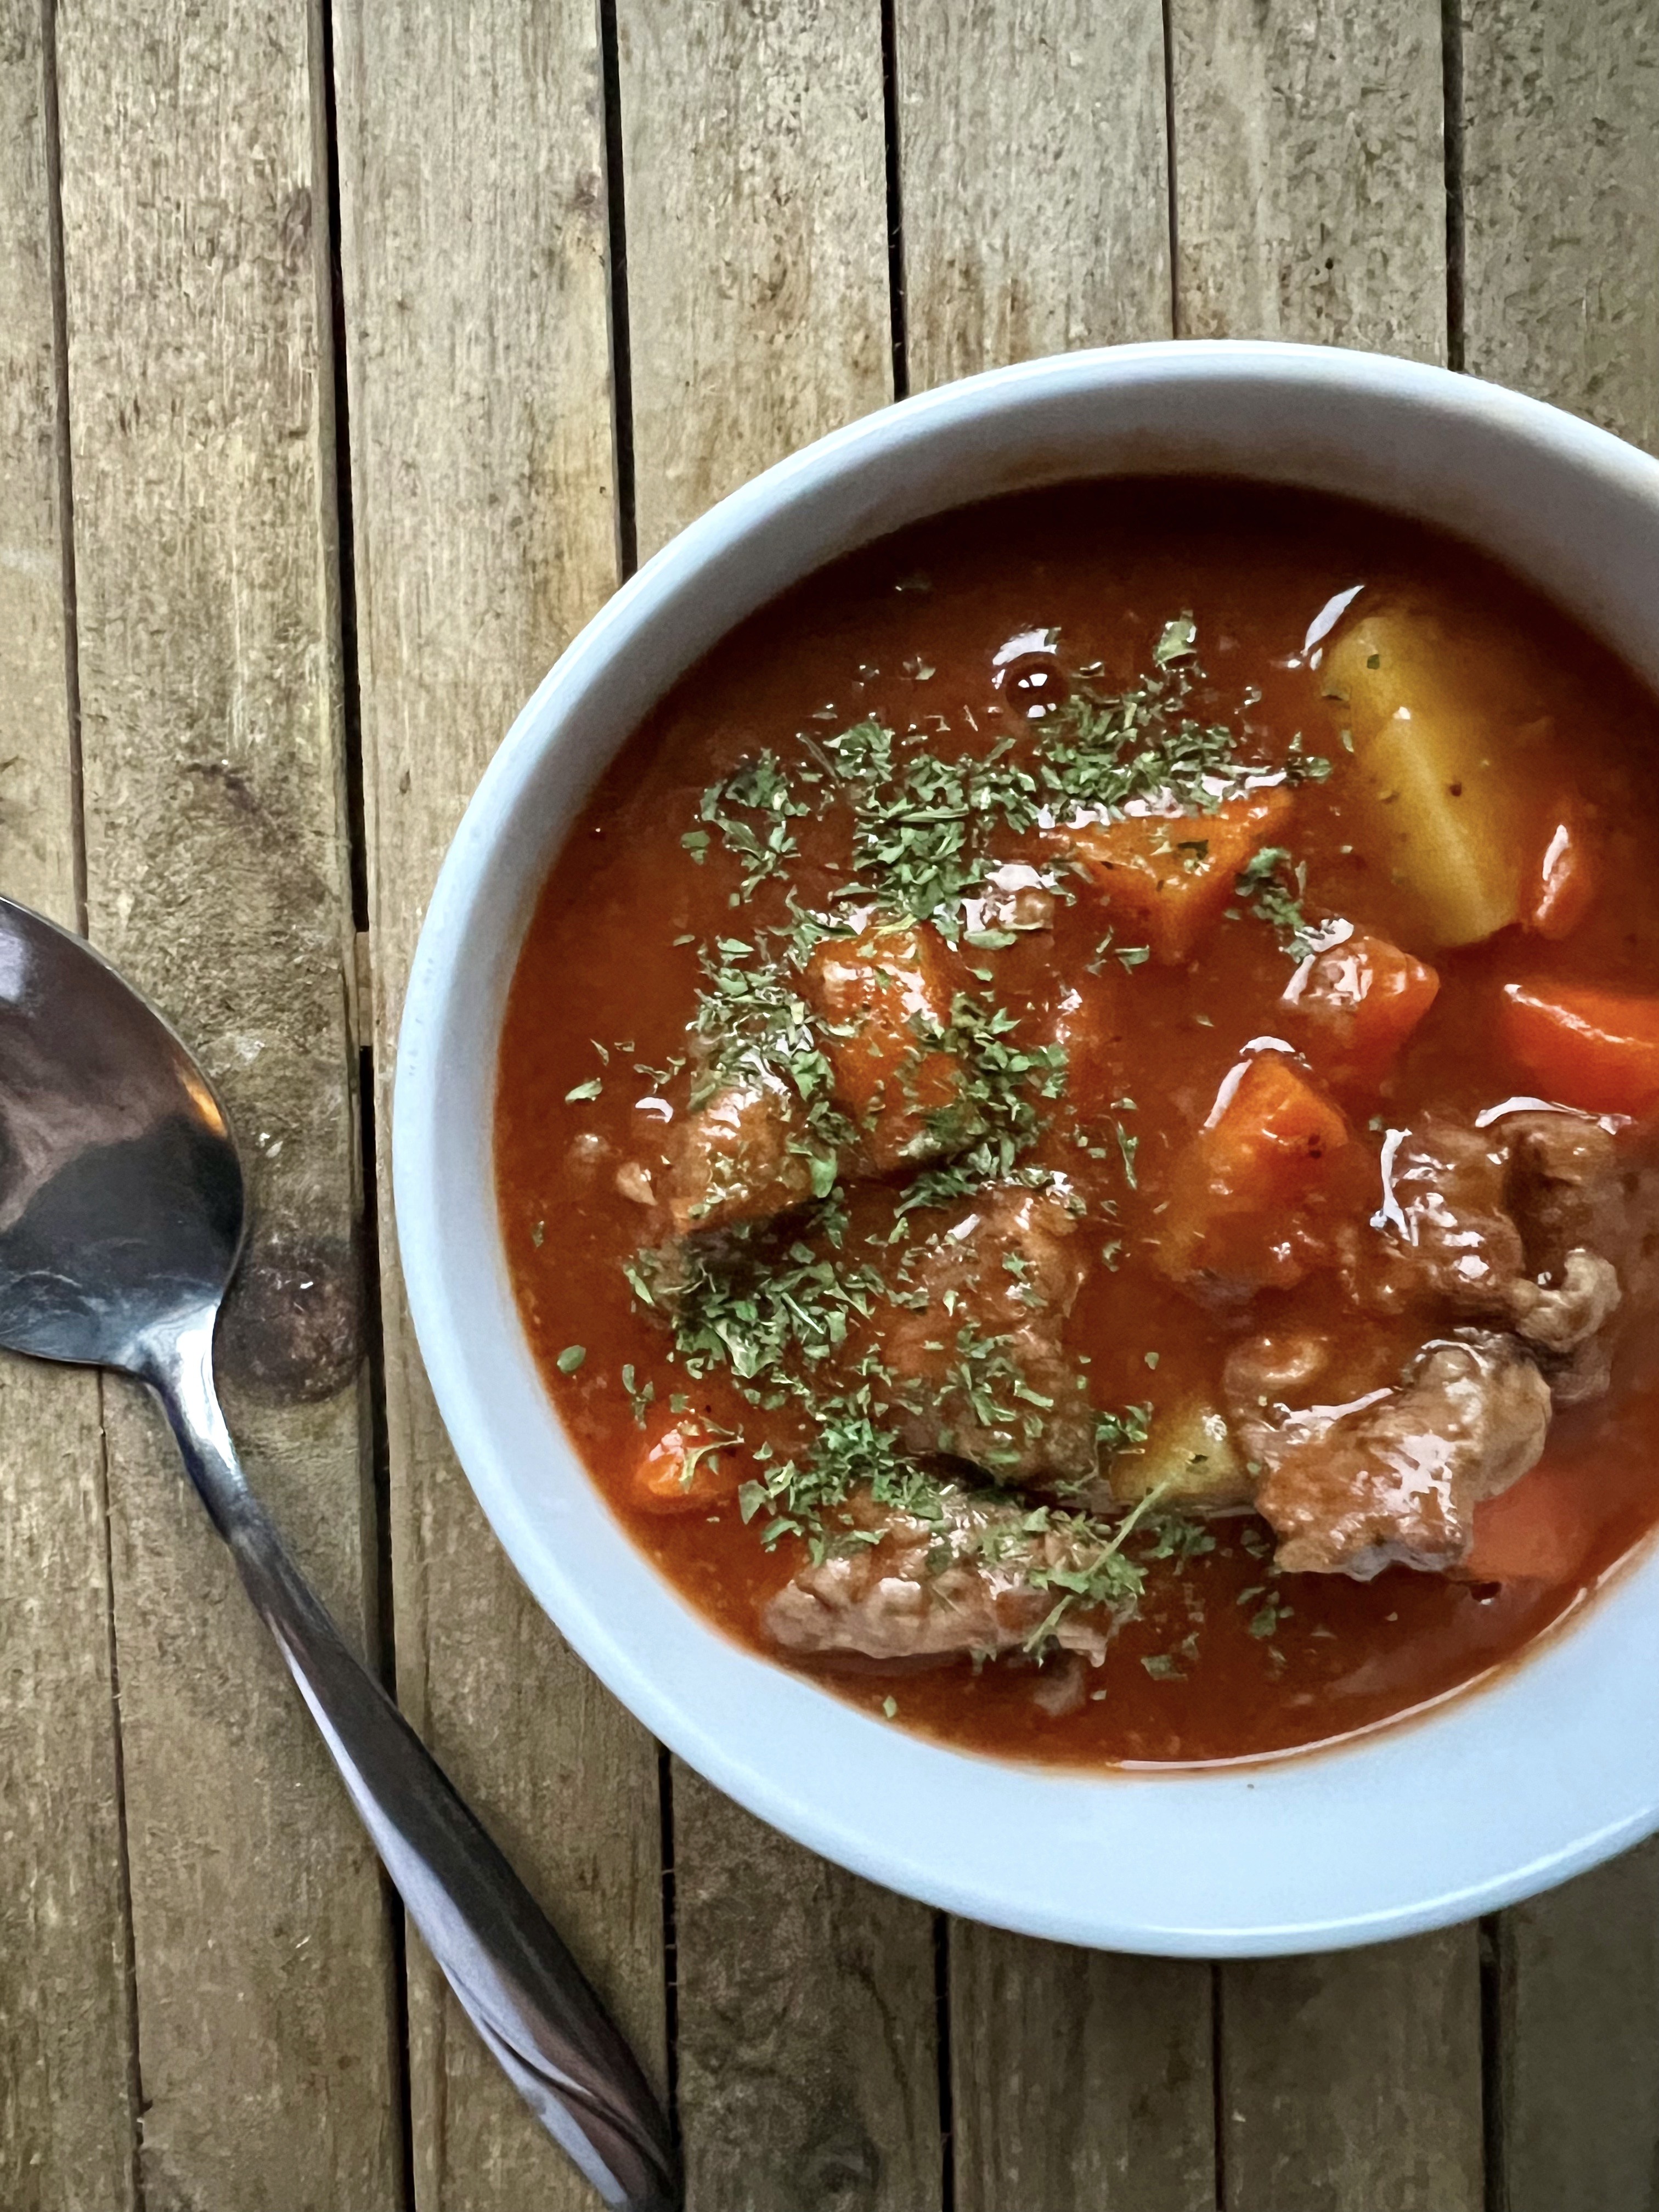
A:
<point x="1165" y="878"/>
<point x="1236" y="1193"/>
<point x="884" y="998"/>
<point x="1357" y="1002"/>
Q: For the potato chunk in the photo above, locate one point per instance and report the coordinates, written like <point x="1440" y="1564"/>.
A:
<point x="1435" y="717"/>
<point x="1189" y="1456"/>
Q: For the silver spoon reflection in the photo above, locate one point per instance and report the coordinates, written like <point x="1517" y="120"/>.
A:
<point x="121" y="1221"/>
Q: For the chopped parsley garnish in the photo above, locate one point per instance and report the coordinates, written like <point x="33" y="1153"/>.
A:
<point x="1275" y="886"/>
<point x="752" y="809"/>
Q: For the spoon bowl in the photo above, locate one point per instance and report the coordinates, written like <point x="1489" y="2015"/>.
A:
<point x="121" y="1198"/>
<point x="122" y="1217"/>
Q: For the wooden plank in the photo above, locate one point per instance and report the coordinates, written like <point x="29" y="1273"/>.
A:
<point x="1081" y="2079"/>
<point x="200" y="393"/>
<point x="807" y="2072"/>
<point x="68" y="2126"/>
<point x="1561" y="230"/>
<point x="755" y="167"/>
<point x="1034" y="188"/>
<point x="1577" y="2082"/>
<point x="1560" y="122"/>
<point x="1352" y="2082"/>
<point x="1034" y="183"/>
<point x="1310" y="176"/>
<point x="473" y="233"/>
<point x="1309" y="172"/>
<point x="758" y="314"/>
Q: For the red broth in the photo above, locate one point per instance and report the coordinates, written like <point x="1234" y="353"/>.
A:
<point x="907" y="632"/>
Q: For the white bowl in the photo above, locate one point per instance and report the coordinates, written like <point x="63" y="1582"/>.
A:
<point x="1496" y="1792"/>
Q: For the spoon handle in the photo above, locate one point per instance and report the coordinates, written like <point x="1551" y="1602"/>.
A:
<point x="519" y="1986"/>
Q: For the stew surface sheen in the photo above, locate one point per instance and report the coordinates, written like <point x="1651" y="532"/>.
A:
<point x="1145" y="1101"/>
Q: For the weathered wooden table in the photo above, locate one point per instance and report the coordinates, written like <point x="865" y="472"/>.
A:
<point x="345" y="366"/>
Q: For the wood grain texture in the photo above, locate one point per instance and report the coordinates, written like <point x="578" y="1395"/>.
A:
<point x="1082" y="2081"/>
<point x="200" y="395"/>
<point x="755" y="172"/>
<point x="1561" y="299"/>
<point x="758" y="313"/>
<point x="68" y="2127"/>
<point x="1309" y="172"/>
<point x="1578" y="2080"/>
<point x="1561" y="205"/>
<point x="1352" y="2082"/>
<point x="473" y="221"/>
<point x="1033" y="185"/>
<point x="808" y="2079"/>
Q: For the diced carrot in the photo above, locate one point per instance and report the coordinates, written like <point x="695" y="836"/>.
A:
<point x="1360" y="1001"/>
<point x="1273" y="1127"/>
<point x="1165" y="879"/>
<point x="1563" y="887"/>
<point x="882" y="996"/>
<point x="685" y="1466"/>
<point x="1235" y="1195"/>
<point x="1539" y="1529"/>
<point x="1597" y="1050"/>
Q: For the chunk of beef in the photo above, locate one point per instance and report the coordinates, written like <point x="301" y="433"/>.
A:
<point x="884" y="998"/>
<point x="979" y="1369"/>
<point x="1444" y="1234"/>
<point x="1561" y="1184"/>
<point x="1394" y="1477"/>
<point x="739" y="1157"/>
<point x="1524" y="1223"/>
<point x="974" y="1580"/>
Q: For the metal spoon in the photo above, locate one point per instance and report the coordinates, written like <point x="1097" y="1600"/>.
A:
<point x="121" y="1221"/>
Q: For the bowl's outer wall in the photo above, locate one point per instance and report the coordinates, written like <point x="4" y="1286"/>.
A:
<point x="1494" y="1794"/>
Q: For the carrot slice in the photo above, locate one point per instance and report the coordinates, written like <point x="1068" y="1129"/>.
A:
<point x="1360" y="1001"/>
<point x="686" y="1467"/>
<point x="1165" y="878"/>
<point x="1594" y="1049"/>
<point x="1568" y="877"/>
<point x="1236" y="1193"/>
